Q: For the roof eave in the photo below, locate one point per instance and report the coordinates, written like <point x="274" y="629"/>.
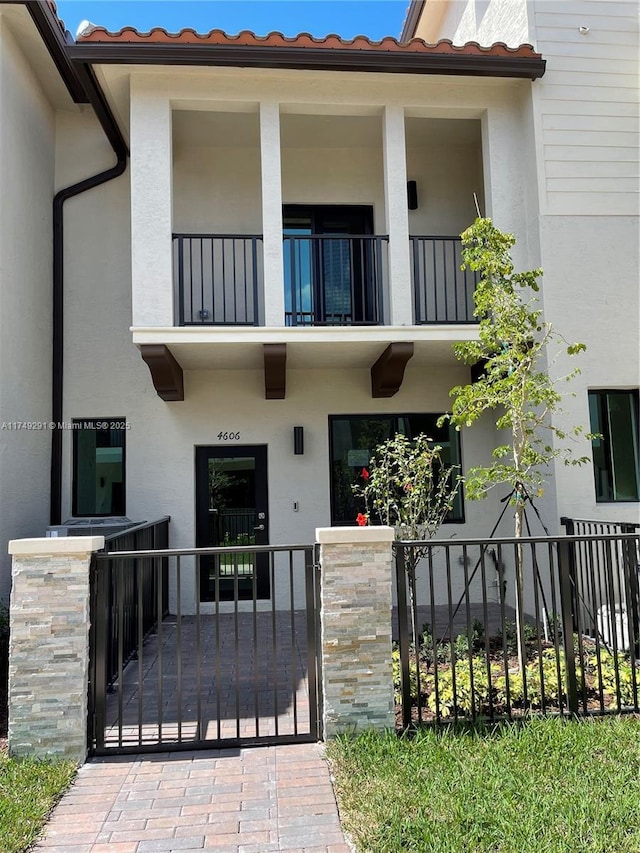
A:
<point x="48" y="25"/>
<point x="308" y="58"/>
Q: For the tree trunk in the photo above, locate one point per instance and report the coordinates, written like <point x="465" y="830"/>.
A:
<point x="519" y="579"/>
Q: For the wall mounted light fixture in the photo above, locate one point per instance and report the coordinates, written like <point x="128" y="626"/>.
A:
<point x="298" y="440"/>
<point x="412" y="195"/>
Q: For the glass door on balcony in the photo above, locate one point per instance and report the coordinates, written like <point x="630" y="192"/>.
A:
<point x="331" y="265"/>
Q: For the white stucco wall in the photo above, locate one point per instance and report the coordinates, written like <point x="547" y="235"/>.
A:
<point x="215" y="191"/>
<point x="446" y="178"/>
<point x="106" y="377"/>
<point x="592" y="296"/>
<point x="26" y="178"/>
<point x="484" y="21"/>
<point x="222" y="186"/>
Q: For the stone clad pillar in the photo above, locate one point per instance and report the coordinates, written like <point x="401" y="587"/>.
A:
<point x="49" y="646"/>
<point x="357" y="676"/>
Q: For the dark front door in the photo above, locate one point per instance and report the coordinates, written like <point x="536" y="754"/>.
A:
<point x="231" y="511"/>
<point x="329" y="263"/>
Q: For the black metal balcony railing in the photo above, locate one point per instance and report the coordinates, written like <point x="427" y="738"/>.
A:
<point x="443" y="292"/>
<point x="219" y="277"/>
<point x="333" y="279"/>
<point x="329" y="279"/>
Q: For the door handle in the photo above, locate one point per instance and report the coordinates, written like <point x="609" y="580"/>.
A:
<point x="259" y="527"/>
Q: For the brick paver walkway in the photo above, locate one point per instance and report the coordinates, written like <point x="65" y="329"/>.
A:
<point x="231" y="801"/>
<point x="237" y="676"/>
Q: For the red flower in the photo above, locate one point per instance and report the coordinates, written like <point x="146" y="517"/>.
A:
<point x="364" y="474"/>
<point x="361" y="519"/>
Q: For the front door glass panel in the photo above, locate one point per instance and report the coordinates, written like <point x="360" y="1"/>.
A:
<point x="231" y="512"/>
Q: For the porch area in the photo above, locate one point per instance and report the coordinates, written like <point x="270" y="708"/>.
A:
<point x="219" y="679"/>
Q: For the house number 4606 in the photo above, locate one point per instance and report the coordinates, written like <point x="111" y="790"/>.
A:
<point x="228" y="436"/>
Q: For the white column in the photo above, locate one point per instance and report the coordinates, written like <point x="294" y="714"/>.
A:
<point x="504" y="191"/>
<point x="397" y="216"/>
<point x="272" y="213"/>
<point x="151" y="204"/>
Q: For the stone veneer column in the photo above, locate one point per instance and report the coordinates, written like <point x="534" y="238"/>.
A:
<point x="49" y="646"/>
<point x="357" y="677"/>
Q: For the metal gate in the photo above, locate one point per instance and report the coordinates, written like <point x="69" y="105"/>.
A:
<point x="169" y="672"/>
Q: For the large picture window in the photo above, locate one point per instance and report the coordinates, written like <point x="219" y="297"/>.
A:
<point x="98" y="467"/>
<point x="353" y="440"/>
<point x="614" y="415"/>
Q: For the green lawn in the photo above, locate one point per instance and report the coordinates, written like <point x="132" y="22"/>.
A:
<point x="28" y="791"/>
<point x="546" y="786"/>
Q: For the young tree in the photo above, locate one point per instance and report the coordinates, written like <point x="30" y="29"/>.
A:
<point x="515" y="381"/>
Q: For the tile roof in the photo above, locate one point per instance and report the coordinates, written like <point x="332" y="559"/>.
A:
<point x="246" y="38"/>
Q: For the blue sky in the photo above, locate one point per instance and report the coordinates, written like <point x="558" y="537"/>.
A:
<point x="348" y="18"/>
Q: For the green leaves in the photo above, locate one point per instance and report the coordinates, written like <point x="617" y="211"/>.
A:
<point x="515" y="381"/>
<point x="408" y="487"/>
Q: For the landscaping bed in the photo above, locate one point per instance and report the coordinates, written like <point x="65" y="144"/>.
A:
<point x="481" y="677"/>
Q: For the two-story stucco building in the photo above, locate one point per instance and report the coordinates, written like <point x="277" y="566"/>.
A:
<point x="266" y="284"/>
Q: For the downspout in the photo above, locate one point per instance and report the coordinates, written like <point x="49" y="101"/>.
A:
<point x="117" y="142"/>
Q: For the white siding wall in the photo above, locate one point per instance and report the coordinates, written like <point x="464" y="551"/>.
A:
<point x="587" y="106"/>
<point x="26" y="178"/>
<point x="580" y="122"/>
<point x="586" y="115"/>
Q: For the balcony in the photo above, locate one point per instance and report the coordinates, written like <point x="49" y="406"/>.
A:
<point x="218" y="279"/>
<point x="443" y="292"/>
<point x="334" y="280"/>
<point x="329" y="280"/>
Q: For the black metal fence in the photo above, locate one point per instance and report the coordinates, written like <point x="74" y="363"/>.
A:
<point x="219" y="278"/>
<point x="597" y="607"/>
<point x="127" y="594"/>
<point x="470" y="644"/>
<point x="334" y="279"/>
<point x="443" y="293"/>
<point x="220" y="673"/>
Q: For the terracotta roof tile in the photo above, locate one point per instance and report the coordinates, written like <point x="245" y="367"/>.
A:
<point x="246" y="38"/>
<point x="52" y="5"/>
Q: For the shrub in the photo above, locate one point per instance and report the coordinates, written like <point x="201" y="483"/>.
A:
<point x="606" y="676"/>
<point x="466" y="696"/>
